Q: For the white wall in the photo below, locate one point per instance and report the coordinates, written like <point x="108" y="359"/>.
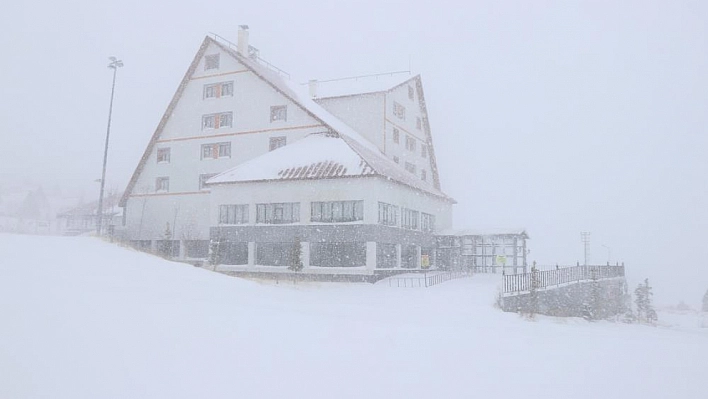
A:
<point x="249" y="137"/>
<point x="407" y="127"/>
<point x="363" y="113"/>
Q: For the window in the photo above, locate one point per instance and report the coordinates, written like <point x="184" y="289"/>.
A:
<point x="196" y="249"/>
<point x="409" y="256"/>
<point x="162" y="184"/>
<point x="423" y="175"/>
<point x="337" y="211"/>
<point x="410" y="167"/>
<point x="424" y="151"/>
<point x="409" y="219"/>
<point x="203" y="178"/>
<point x="386" y="256"/>
<point x="221" y="89"/>
<point x="168" y="248"/>
<point x="211" y="61"/>
<point x="418" y="123"/>
<point x="233" y="253"/>
<point x="216" y="121"/>
<point x="410" y="92"/>
<point x="274" y="253"/>
<point x="277" y="142"/>
<point x="395" y="159"/>
<point x="278" y="213"/>
<point x="410" y="143"/>
<point x="163" y="155"/>
<point x="233" y="214"/>
<point x="399" y="110"/>
<point x="279" y="113"/>
<point x="396" y="136"/>
<point x="388" y="214"/>
<point x="427" y="222"/>
<point x="338" y="254"/>
<point x="216" y="150"/>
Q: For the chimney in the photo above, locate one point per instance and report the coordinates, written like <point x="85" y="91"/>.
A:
<point x="313" y="88"/>
<point x="243" y="40"/>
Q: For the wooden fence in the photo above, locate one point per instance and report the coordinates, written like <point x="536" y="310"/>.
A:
<point x="425" y="280"/>
<point x="541" y="279"/>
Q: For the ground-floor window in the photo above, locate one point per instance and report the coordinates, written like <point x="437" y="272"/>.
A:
<point x="197" y="248"/>
<point x="168" y="248"/>
<point x="338" y="254"/>
<point x="142" y="245"/>
<point x="274" y="253"/>
<point x="386" y="256"/>
<point x="234" y="253"/>
<point x="409" y="256"/>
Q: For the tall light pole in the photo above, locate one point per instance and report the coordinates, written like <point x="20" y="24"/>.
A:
<point x="114" y="64"/>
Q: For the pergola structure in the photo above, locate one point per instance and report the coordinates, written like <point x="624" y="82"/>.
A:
<point x="501" y="251"/>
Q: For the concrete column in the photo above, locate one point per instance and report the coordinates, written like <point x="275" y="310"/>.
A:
<point x="305" y="212"/>
<point x="251" y="254"/>
<point x="418" y="253"/>
<point x="398" y="256"/>
<point x="305" y="254"/>
<point x="370" y="255"/>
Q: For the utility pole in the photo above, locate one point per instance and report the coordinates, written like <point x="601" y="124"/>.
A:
<point x="114" y="64"/>
<point x="585" y="238"/>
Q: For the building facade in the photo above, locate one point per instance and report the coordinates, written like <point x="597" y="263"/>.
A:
<point x="244" y="159"/>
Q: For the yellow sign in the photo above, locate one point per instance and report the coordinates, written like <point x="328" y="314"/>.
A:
<point x="501" y="260"/>
<point x="425" y="261"/>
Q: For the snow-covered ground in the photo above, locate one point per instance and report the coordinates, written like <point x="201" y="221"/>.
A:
<point x="81" y="318"/>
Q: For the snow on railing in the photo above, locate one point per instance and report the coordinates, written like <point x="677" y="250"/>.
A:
<point x="541" y="279"/>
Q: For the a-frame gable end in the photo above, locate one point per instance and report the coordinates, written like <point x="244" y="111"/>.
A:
<point x="173" y="103"/>
<point x="428" y="135"/>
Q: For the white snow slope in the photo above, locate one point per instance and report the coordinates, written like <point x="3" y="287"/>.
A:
<point x="86" y="319"/>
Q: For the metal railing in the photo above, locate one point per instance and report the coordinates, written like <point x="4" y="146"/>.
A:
<point x="425" y="279"/>
<point x="541" y="279"/>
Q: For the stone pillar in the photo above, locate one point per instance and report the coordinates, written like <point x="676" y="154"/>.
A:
<point x="251" y="254"/>
<point x="370" y="255"/>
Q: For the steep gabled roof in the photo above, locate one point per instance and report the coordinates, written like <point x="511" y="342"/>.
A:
<point x="358" y="86"/>
<point x="355" y="141"/>
<point x="165" y="117"/>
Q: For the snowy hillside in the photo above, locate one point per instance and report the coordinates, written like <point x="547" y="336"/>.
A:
<point x="86" y="319"/>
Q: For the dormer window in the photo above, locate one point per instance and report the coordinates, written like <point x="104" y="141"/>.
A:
<point x="410" y="92"/>
<point x="211" y="61"/>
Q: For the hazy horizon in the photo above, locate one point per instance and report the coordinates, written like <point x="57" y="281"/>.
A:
<point x="553" y="116"/>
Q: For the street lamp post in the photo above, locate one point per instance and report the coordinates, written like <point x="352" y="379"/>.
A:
<point x="114" y="64"/>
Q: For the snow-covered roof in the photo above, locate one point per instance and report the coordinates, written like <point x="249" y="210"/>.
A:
<point x="316" y="156"/>
<point x="484" y="232"/>
<point x="319" y="156"/>
<point x="361" y="85"/>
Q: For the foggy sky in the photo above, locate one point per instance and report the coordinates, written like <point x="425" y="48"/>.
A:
<point x="558" y="117"/>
